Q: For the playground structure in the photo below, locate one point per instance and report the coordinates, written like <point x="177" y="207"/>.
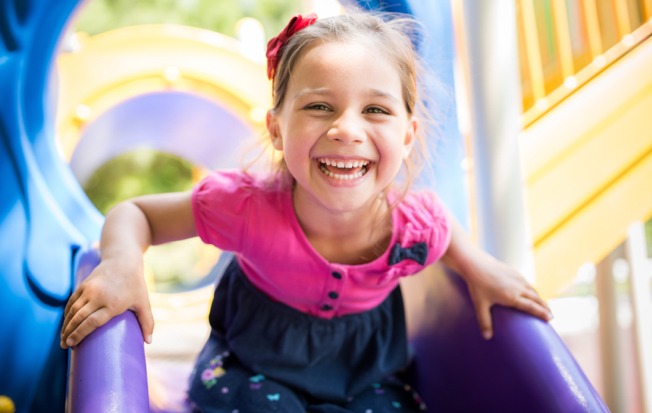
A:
<point x="181" y="90"/>
<point x="47" y="219"/>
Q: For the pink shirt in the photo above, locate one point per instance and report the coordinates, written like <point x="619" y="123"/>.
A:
<point x="239" y="213"/>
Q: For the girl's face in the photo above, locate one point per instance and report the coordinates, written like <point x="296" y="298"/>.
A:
<point x="343" y="127"/>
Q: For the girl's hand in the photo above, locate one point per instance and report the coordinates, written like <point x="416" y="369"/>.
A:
<point x="117" y="284"/>
<point x="494" y="282"/>
<point x="490" y="281"/>
<point x="113" y="287"/>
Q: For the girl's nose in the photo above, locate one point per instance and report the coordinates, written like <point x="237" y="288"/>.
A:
<point x="347" y="128"/>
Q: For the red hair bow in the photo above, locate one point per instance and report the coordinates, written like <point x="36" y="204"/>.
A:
<point x="275" y="44"/>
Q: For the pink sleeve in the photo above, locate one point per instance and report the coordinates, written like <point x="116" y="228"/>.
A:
<point x="221" y="204"/>
<point x="427" y="221"/>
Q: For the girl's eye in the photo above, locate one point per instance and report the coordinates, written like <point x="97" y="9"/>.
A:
<point x="375" y="109"/>
<point x="317" y="106"/>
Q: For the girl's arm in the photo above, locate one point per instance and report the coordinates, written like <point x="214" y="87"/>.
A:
<point x="117" y="283"/>
<point x="490" y="281"/>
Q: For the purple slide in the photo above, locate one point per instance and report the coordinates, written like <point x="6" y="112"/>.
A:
<point x="525" y="368"/>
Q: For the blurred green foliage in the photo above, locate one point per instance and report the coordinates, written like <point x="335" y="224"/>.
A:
<point x="218" y="15"/>
<point x="140" y="172"/>
<point x="174" y="265"/>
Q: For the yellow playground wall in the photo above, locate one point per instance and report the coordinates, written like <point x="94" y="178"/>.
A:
<point x="587" y="168"/>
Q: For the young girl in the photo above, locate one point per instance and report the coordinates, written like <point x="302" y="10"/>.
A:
<point x="309" y="315"/>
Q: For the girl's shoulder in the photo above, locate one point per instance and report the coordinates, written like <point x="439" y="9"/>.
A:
<point x="228" y="203"/>
<point x="420" y="207"/>
<point x="230" y="181"/>
<point x="238" y="191"/>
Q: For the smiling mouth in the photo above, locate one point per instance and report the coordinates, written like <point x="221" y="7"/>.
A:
<point x="343" y="169"/>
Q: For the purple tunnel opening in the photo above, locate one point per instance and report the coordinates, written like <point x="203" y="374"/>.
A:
<point x="192" y="127"/>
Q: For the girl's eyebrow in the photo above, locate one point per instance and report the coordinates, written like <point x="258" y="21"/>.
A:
<point x="382" y="94"/>
<point x="322" y="91"/>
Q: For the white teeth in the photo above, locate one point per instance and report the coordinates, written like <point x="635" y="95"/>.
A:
<point x="325" y="162"/>
<point x="343" y="164"/>
<point x="348" y="177"/>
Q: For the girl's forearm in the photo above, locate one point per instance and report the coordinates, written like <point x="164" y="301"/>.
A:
<point x="132" y="226"/>
<point x="462" y="255"/>
<point x="126" y="232"/>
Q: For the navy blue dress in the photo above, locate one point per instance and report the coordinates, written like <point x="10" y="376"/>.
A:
<point x="263" y="356"/>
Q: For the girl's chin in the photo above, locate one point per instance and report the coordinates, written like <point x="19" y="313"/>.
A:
<point x="344" y="199"/>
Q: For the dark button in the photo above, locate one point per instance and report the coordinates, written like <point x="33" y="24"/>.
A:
<point x="337" y="275"/>
<point x="326" y="307"/>
<point x="333" y="295"/>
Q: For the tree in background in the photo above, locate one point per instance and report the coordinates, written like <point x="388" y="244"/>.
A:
<point x="139" y="172"/>
<point x="218" y="15"/>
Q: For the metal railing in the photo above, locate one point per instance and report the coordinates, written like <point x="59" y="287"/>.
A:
<point x="564" y="43"/>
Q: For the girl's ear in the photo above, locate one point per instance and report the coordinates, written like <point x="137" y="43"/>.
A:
<point x="410" y="136"/>
<point x="273" y="129"/>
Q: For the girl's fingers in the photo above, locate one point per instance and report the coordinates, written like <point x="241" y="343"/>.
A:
<point x="72" y="308"/>
<point x="535" y="307"/>
<point x="534" y="296"/>
<point x="74" y="304"/>
<point x="78" y="312"/>
<point x="83" y="323"/>
<point x="72" y="317"/>
<point x="146" y="321"/>
<point x="483" y="314"/>
<point x="75" y="310"/>
<point x="73" y="298"/>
